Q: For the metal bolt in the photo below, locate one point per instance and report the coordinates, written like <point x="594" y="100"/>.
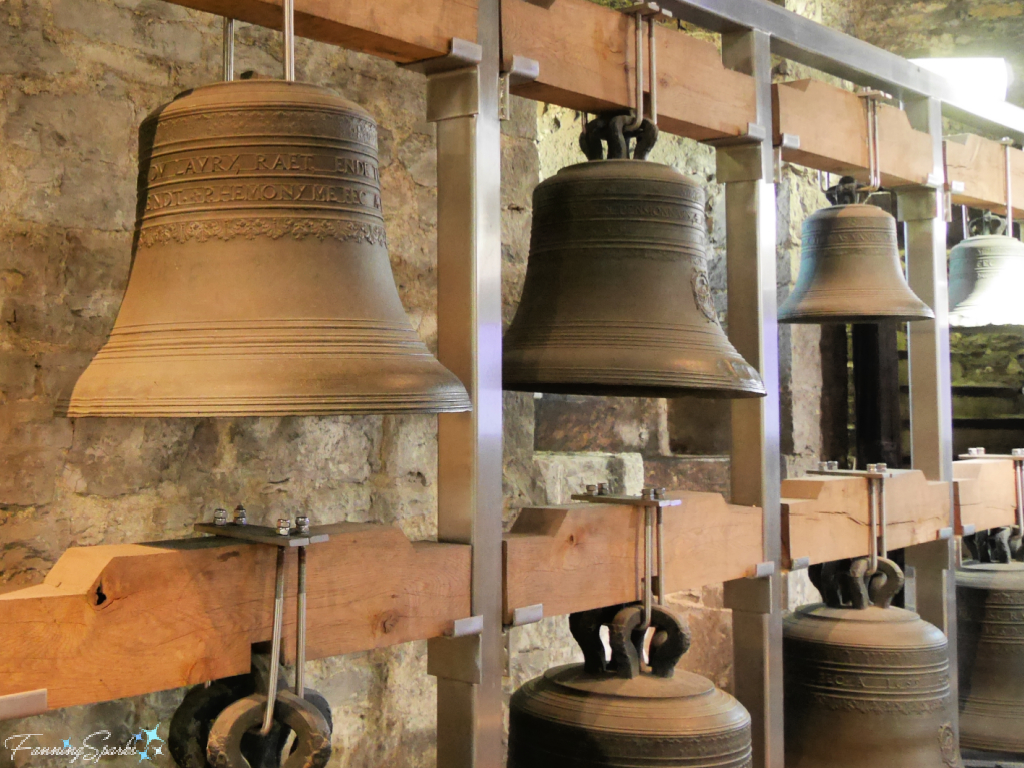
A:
<point x="602" y="489"/>
<point x="284" y="526"/>
<point x="302" y="524"/>
<point x="659" y="493"/>
<point x="240" y="516"/>
<point x="592" y="490"/>
<point x="220" y="517"/>
<point x="833" y="465"/>
<point x="647" y="493"/>
<point x="822" y="466"/>
<point x="881" y="467"/>
<point x="1017" y="452"/>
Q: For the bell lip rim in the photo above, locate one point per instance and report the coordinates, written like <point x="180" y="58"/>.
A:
<point x="823" y="319"/>
<point x="574" y="388"/>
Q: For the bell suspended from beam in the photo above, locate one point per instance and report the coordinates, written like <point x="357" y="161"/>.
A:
<point x="986" y="272"/>
<point x="990" y="638"/>
<point x="260" y="281"/>
<point x="616" y="299"/>
<point x="866" y="685"/>
<point x="620" y="712"/>
<point x="850" y="270"/>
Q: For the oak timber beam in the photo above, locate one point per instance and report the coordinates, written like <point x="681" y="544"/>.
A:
<point x="832" y="126"/>
<point x="980" y="165"/>
<point x="392" y="29"/>
<point x="129" y="619"/>
<point x="586" y="57"/>
<point x="984" y="494"/>
<point x="825" y="518"/>
<point x="582" y="556"/>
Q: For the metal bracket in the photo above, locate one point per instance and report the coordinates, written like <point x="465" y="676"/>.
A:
<point x="471" y="625"/>
<point x="800" y="564"/>
<point x="528" y="614"/>
<point x="461" y="54"/>
<point x="523" y="70"/>
<point x="944" y="534"/>
<point x="25" y="704"/>
<point x="755" y="134"/>
<point x="455" y="658"/>
<point x="630" y="501"/>
<point x="786" y="141"/>
<point x="970" y="530"/>
<point x="651" y="11"/>
<point x="762" y="570"/>
<point x="263" y="534"/>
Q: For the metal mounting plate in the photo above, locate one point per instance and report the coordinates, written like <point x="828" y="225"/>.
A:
<point x="631" y="501"/>
<point x="263" y="534"/>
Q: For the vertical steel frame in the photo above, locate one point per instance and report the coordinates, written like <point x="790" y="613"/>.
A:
<point x="746" y="169"/>
<point x="464" y="106"/>
<point x="922" y="211"/>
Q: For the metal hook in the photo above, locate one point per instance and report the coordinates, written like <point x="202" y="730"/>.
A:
<point x="229" y="50"/>
<point x="871" y="99"/>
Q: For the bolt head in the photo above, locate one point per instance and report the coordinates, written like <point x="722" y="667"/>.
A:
<point x="284" y="526"/>
<point x="822" y="466"/>
<point x="602" y="489"/>
<point x="220" y="517"/>
<point x="833" y="465"/>
<point x="241" y="518"/>
<point x="659" y="493"/>
<point x="881" y="467"/>
<point x="1017" y="452"/>
<point x="591" y="489"/>
<point x="302" y="523"/>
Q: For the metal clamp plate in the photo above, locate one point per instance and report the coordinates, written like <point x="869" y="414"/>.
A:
<point x="528" y="614"/>
<point x="262" y="534"/>
<point x="629" y="501"/>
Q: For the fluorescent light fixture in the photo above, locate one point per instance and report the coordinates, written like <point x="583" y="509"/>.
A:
<point x="981" y="79"/>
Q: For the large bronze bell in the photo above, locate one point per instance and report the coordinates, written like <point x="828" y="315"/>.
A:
<point x="985" y="276"/>
<point x="850" y="270"/>
<point x="623" y="713"/>
<point x="617" y="299"/>
<point x="260" y="282"/>
<point x="866" y="685"/>
<point x="990" y="620"/>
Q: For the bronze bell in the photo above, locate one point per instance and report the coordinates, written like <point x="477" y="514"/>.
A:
<point x="850" y="270"/>
<point x="622" y="712"/>
<point x="985" y="275"/>
<point x="260" y="283"/>
<point x="616" y="299"/>
<point x="866" y="685"/>
<point x="990" y="621"/>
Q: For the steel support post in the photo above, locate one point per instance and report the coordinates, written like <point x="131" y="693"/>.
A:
<point x="746" y="169"/>
<point x="464" y="106"/>
<point x="922" y="211"/>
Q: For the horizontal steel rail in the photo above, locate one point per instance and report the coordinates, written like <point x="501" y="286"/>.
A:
<point x="807" y="42"/>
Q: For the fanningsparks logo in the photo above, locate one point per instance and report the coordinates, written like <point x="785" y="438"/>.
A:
<point x="145" y="745"/>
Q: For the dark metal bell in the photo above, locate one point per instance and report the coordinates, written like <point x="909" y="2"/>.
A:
<point x="617" y="299"/>
<point x="850" y="270"/>
<point x="866" y="685"/>
<point x="990" y="610"/>
<point x="620" y="713"/>
<point x="260" y="283"/>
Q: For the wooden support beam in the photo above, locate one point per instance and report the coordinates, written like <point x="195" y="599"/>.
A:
<point x="984" y="494"/>
<point x="125" y="620"/>
<point x="980" y="165"/>
<point x="392" y="29"/>
<point x="581" y="556"/>
<point x="826" y="518"/>
<point x="833" y="130"/>
<point x="586" y="59"/>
